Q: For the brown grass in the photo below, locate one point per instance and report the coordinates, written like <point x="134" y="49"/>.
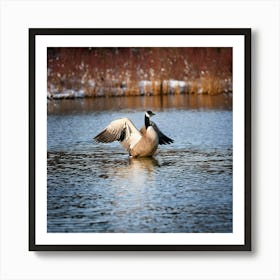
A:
<point x="118" y="71"/>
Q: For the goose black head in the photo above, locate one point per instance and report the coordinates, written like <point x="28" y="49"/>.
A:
<point x="148" y="115"/>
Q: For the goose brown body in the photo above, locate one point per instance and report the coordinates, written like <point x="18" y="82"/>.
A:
<point x="147" y="145"/>
<point x="143" y="143"/>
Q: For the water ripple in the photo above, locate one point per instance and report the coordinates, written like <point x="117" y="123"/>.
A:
<point x="185" y="187"/>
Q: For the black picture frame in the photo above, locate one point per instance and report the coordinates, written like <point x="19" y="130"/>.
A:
<point x="245" y="33"/>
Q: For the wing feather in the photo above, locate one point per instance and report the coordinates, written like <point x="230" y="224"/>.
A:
<point x="122" y="130"/>
<point x="162" y="138"/>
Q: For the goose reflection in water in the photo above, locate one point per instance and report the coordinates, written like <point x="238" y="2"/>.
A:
<point x="135" y="170"/>
<point x="136" y="183"/>
<point x="147" y="164"/>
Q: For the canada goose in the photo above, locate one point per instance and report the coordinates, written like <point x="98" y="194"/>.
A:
<point x="141" y="143"/>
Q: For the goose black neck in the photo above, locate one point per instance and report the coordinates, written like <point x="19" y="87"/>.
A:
<point x="147" y="121"/>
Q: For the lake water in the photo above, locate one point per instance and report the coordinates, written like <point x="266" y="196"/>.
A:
<point x="185" y="187"/>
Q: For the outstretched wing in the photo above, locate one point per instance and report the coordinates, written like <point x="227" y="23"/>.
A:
<point x="162" y="138"/>
<point x="122" y="130"/>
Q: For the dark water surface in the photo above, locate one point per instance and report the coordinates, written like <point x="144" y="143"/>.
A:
<point x="185" y="187"/>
